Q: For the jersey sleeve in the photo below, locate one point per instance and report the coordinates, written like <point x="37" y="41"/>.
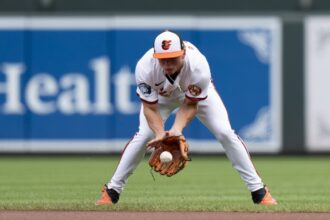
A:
<point x="198" y="91"/>
<point x="198" y="86"/>
<point x="144" y="85"/>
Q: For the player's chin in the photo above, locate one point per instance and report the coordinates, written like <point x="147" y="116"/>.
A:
<point x="169" y="71"/>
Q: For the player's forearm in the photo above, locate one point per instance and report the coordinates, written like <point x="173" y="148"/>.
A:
<point x="154" y="119"/>
<point x="185" y="114"/>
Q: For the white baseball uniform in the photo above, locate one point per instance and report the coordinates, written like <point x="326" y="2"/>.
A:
<point x="193" y="82"/>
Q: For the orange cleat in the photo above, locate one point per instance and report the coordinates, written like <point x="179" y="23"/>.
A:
<point x="108" y="197"/>
<point x="263" y="197"/>
<point x="268" y="199"/>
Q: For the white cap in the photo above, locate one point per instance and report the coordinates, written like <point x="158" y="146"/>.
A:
<point x="168" y="45"/>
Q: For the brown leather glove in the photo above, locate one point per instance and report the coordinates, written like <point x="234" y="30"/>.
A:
<point x="177" y="146"/>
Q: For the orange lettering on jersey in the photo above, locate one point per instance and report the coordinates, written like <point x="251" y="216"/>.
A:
<point x="166" y="44"/>
<point x="194" y="90"/>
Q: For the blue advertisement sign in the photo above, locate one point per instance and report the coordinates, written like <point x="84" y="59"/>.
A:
<point x="73" y="82"/>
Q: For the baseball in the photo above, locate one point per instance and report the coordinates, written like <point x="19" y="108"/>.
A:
<point x="166" y="157"/>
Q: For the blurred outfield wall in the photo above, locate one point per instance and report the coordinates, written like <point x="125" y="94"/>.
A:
<point x="67" y="85"/>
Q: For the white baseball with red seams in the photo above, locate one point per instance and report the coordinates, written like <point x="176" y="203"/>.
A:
<point x="193" y="82"/>
<point x="166" y="157"/>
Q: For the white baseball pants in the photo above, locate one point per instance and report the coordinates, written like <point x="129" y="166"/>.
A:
<point x="213" y="114"/>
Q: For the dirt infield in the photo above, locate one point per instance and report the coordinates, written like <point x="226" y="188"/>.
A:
<point x="92" y="215"/>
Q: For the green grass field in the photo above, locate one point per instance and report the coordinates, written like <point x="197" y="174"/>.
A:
<point x="300" y="184"/>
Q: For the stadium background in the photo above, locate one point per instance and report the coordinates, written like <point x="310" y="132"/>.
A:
<point x="42" y="58"/>
<point x="292" y="53"/>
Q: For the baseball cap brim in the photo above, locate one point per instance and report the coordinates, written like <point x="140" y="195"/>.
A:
<point x="168" y="54"/>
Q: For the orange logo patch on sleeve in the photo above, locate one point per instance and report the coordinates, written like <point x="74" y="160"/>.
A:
<point x="166" y="44"/>
<point x="194" y="90"/>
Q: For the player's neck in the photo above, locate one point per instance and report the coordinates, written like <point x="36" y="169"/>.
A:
<point x="171" y="78"/>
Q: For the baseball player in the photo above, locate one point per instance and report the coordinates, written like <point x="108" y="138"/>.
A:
<point x="176" y="75"/>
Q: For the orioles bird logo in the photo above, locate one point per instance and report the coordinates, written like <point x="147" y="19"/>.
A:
<point x="194" y="90"/>
<point x="166" y="44"/>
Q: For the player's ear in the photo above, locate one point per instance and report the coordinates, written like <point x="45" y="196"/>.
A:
<point x="184" y="53"/>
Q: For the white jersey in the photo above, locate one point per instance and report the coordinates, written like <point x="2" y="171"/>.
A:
<point x="193" y="80"/>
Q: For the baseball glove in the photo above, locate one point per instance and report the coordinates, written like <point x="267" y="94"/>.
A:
<point x="177" y="146"/>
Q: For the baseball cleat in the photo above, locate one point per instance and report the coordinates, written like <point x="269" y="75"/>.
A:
<point x="108" y="196"/>
<point x="263" y="197"/>
<point x="268" y="199"/>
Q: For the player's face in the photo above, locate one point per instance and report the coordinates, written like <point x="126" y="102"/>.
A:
<point x="171" y="65"/>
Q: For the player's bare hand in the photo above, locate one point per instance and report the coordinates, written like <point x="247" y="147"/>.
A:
<point x="173" y="133"/>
